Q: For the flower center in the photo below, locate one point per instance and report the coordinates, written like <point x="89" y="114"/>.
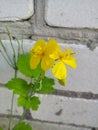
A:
<point x="60" y="57"/>
<point x="43" y="54"/>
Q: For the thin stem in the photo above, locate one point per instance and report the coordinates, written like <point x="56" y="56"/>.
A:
<point x="14" y="56"/>
<point x="10" y="39"/>
<point x="6" y="59"/>
<point x="10" y="120"/>
<point x="18" y="47"/>
<point x="5" y="51"/>
<point x="22" y="48"/>
<point x="23" y="114"/>
<point x="15" y="75"/>
<point x="12" y="104"/>
<point x="22" y="44"/>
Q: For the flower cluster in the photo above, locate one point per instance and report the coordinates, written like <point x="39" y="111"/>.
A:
<point x="33" y="65"/>
<point x="49" y="55"/>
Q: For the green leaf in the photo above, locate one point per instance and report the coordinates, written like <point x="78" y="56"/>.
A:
<point x="22" y="126"/>
<point x="32" y="103"/>
<point x="23" y="65"/>
<point x="1" y="128"/>
<point x="35" y="103"/>
<point x="18" y="85"/>
<point x="23" y="101"/>
<point x="47" y="85"/>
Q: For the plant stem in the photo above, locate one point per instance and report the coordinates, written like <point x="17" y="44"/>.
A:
<point x="12" y="101"/>
<point x="6" y="59"/>
<point x="10" y="120"/>
<point x="18" y="47"/>
<point x="1" y="43"/>
<point x="23" y="114"/>
<point x="22" y="44"/>
<point x="10" y="38"/>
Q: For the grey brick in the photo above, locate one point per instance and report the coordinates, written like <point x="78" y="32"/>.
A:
<point x="69" y="13"/>
<point x="37" y="125"/>
<point x="64" y="110"/>
<point x="16" y="10"/>
<point x="5" y="102"/>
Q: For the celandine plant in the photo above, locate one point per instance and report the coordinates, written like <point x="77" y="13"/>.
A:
<point x="42" y="57"/>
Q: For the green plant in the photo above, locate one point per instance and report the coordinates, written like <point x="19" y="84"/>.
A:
<point x="34" y="64"/>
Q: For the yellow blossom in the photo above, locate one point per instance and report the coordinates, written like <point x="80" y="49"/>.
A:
<point x="62" y="58"/>
<point x="40" y="53"/>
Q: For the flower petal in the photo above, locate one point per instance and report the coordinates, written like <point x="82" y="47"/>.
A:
<point x="38" y="47"/>
<point x="55" y="55"/>
<point x="71" y="61"/>
<point x="34" y="61"/>
<point x="40" y="43"/>
<point x="52" y="46"/>
<point x="46" y="63"/>
<point x="68" y="58"/>
<point x="59" y="70"/>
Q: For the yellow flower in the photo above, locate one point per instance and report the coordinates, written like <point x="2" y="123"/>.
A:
<point x="62" y="58"/>
<point x="41" y="52"/>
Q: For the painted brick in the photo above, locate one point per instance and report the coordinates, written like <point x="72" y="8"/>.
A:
<point x="5" y="100"/>
<point x="59" y="109"/>
<point x="82" y="79"/>
<point x="16" y="9"/>
<point x="42" y="125"/>
<point x="69" y="13"/>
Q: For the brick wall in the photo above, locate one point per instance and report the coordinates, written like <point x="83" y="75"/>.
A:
<point x="73" y="23"/>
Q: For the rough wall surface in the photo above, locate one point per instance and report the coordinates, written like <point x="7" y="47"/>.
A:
<point x="73" y="24"/>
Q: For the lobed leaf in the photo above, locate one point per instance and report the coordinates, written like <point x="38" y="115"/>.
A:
<point x="18" y="85"/>
<point x="32" y="103"/>
<point x="22" y="126"/>
<point x="47" y="85"/>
